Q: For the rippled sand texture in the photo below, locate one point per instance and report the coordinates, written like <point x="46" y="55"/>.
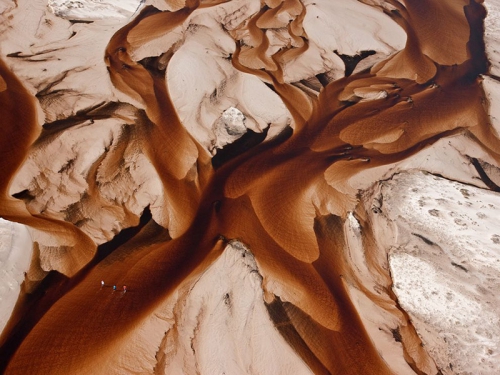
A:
<point x="284" y="190"/>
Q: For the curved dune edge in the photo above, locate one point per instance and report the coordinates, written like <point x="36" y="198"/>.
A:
<point x="130" y="140"/>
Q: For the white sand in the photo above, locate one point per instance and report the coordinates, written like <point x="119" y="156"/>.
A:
<point x="15" y="256"/>
<point x="492" y="28"/>
<point x="90" y="10"/>
<point x="445" y="263"/>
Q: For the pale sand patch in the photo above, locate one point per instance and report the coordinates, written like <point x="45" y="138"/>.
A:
<point x="170" y="5"/>
<point x="90" y="10"/>
<point x="491" y="32"/>
<point x="354" y="27"/>
<point x="445" y="263"/>
<point x="16" y="247"/>
<point x="492" y="89"/>
<point x="215" y="324"/>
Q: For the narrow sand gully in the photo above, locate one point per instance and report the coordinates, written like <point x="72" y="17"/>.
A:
<point x="287" y="197"/>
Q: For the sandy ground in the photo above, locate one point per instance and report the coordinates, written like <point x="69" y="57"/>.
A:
<point x="216" y="324"/>
<point x="271" y="159"/>
<point x="15" y="256"/>
<point x="94" y="9"/>
<point x="445" y="266"/>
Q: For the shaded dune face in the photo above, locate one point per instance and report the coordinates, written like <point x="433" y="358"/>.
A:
<point x="286" y="198"/>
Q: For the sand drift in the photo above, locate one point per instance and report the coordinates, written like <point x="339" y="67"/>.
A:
<point x="282" y="186"/>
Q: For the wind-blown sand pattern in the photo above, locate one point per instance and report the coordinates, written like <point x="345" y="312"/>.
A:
<point x="253" y="172"/>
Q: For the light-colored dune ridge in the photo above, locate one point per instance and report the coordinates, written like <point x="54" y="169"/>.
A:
<point x="213" y="130"/>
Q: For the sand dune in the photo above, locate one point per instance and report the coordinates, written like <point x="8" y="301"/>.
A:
<point x="249" y="171"/>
